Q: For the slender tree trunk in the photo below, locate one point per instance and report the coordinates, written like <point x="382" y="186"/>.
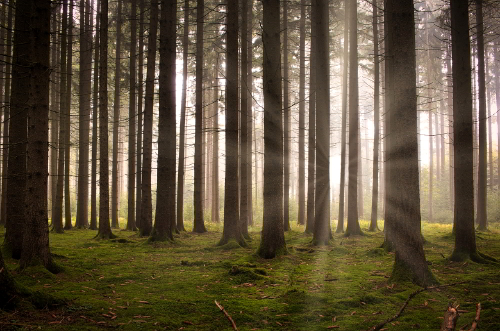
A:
<point x="139" y="116"/>
<point x="312" y="126"/>
<point x="482" y="162"/>
<point x="490" y="135"/>
<point x="449" y="81"/>
<point x="273" y="239"/>
<point x="250" y="117"/>
<point x="93" y="181"/>
<point x="146" y="222"/>
<point x="497" y="95"/>
<point x="286" y="119"/>
<point x="116" y="122"/>
<point x="352" y="210"/>
<point x="215" y="150"/>
<point x="131" y="117"/>
<point x="244" y="207"/>
<point x="104" y="226"/>
<point x="199" y="223"/>
<point x="431" y="138"/>
<point x="54" y="124"/>
<point x="376" y="119"/>
<point x="67" y="122"/>
<point x="232" y="225"/>
<point x="302" y="102"/>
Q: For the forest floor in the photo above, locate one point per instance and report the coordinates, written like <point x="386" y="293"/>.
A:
<point x="130" y="284"/>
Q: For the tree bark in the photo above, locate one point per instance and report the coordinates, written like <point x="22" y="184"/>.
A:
<point x="67" y="122"/>
<point x="215" y="150"/>
<point x="250" y="115"/>
<point x="244" y="124"/>
<point x="138" y="202"/>
<point x="286" y="119"/>
<point x="302" y="102"/>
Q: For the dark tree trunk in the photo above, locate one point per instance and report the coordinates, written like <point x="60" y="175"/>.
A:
<point x="104" y="226"/>
<point x="322" y="230"/>
<point x="53" y="121"/>
<point x="250" y="116"/>
<point x="95" y="104"/>
<point x="403" y="211"/>
<point x="302" y="103"/>
<point x="312" y="126"/>
<point x="165" y="194"/>
<point x="146" y="222"/>
<point x="352" y="189"/>
<point x="244" y="124"/>
<point x="138" y="203"/>
<point x="215" y="150"/>
<point x="449" y="97"/>
<point x="376" y="120"/>
<point x="286" y="120"/>
<point x="273" y="238"/>
<point x="131" y="117"/>
<point x="497" y="95"/>
<point x="36" y="231"/>
<point x="482" y="216"/>
<point x="232" y="229"/>
<point x="182" y="138"/>
<point x="116" y="122"/>
<point x="67" y="122"/>
<point x="199" y="223"/>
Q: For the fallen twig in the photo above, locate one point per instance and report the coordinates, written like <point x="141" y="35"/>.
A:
<point x="227" y="315"/>
<point x="476" y="320"/>
<point x="411" y="296"/>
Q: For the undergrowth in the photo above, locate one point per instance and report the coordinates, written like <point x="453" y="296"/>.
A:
<point x="130" y="284"/>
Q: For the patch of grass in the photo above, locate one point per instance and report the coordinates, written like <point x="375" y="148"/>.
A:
<point x="130" y="284"/>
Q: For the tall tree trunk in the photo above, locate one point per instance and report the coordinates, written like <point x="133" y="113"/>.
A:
<point x="57" y="221"/>
<point x="138" y="203"/>
<point x="490" y="135"/>
<point x="353" y="227"/>
<point x="131" y="117"/>
<point x="116" y="122"/>
<point x="376" y="119"/>
<point x="6" y="122"/>
<point x="273" y="238"/>
<point x="199" y="223"/>
<point x="302" y="102"/>
<point x="465" y="238"/>
<point x="67" y="122"/>
<point x="403" y="213"/>
<point x="146" y="222"/>
<point x="104" y="226"/>
<point x="482" y="163"/>
<point x="286" y="119"/>
<point x="232" y="229"/>
<point x="311" y="157"/>
<point x="497" y="95"/>
<point x="95" y="105"/>
<point x="250" y="115"/>
<point x="215" y="150"/>
<point x="322" y="230"/>
<point x="244" y="207"/>
<point x="54" y="124"/>
<point x="449" y="97"/>
<point x="36" y="232"/>
<point x="182" y="138"/>
<point x="431" y="138"/>
<point x="165" y="201"/>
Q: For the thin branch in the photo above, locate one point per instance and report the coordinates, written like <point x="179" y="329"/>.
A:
<point x="227" y="315"/>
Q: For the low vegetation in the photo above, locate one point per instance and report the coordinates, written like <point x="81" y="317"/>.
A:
<point x="130" y="284"/>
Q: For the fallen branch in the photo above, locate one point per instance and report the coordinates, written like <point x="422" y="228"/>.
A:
<point x="476" y="320"/>
<point x="411" y="296"/>
<point x="450" y="319"/>
<point x="227" y="315"/>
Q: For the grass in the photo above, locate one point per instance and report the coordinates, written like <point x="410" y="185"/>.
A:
<point x="134" y="285"/>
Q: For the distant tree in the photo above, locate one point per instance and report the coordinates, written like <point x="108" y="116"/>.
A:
<point x="199" y="223"/>
<point x="215" y="150"/>
<point x="131" y="116"/>
<point x="232" y="229"/>
<point x="482" y="217"/>
<point x="353" y="227"/>
<point x="376" y="119"/>
<point x="345" y="69"/>
<point x="182" y="133"/>
<point x="497" y="95"/>
<point x="104" y="226"/>
<point x="273" y="238"/>
<point x="403" y="211"/>
<point x="165" y="193"/>
<point x="301" y="219"/>
<point x="146" y="222"/>
<point x="140" y="93"/>
<point x="286" y="124"/>
<point x="322" y="229"/>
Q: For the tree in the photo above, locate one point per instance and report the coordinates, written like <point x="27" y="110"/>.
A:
<point x="353" y="227"/>
<point x="403" y="211"/>
<point x="312" y="126"/>
<point x="104" y="226"/>
<point x="322" y="230"/>
<point x="273" y="238"/>
<point x="182" y="133"/>
<point x="345" y="69"/>
<point x="67" y="122"/>
<point x="232" y="229"/>
<point x="116" y="121"/>
<point x="497" y="95"/>
<point x="199" y="223"/>
<point x="147" y="150"/>
<point x="482" y="164"/>
<point x="376" y="119"/>
<point x="131" y="116"/>
<point x="139" y="116"/>
<point x="165" y="194"/>
<point x="286" y="124"/>
<point x="250" y="115"/>
<point x="302" y="102"/>
<point x="215" y="149"/>
<point x="244" y="180"/>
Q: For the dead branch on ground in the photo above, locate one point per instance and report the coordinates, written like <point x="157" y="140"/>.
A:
<point x="227" y="315"/>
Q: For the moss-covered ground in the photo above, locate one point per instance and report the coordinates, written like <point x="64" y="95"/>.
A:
<point x="130" y="284"/>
